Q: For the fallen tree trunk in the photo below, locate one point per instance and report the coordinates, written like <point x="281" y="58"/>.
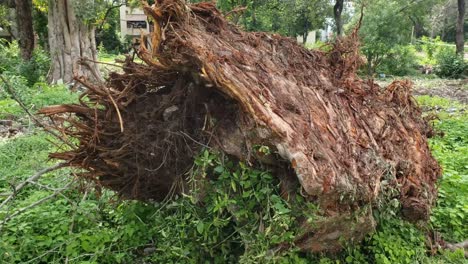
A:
<point x="205" y="83"/>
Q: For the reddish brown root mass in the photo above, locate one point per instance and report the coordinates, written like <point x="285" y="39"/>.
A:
<point x="206" y="83"/>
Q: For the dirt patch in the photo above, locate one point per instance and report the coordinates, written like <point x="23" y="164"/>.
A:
<point x="451" y="89"/>
<point x="456" y="90"/>
<point x="9" y="128"/>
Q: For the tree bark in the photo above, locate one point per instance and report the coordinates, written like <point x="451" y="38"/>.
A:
<point x="460" y="42"/>
<point x="25" y="27"/>
<point x="72" y="44"/>
<point x="337" y="10"/>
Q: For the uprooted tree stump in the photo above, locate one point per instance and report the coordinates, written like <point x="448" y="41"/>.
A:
<point x="207" y="83"/>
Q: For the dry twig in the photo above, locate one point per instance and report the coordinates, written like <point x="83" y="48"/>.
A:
<point x="33" y="178"/>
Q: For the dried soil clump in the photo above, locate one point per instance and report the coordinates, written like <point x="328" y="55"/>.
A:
<point x="207" y="83"/>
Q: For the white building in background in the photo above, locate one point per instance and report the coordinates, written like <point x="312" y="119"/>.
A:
<point x="311" y="38"/>
<point x="133" y="21"/>
<point x="328" y="31"/>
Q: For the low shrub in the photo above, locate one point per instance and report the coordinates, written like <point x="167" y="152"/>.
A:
<point x="400" y="61"/>
<point x="396" y="241"/>
<point x="34" y="97"/>
<point x="33" y="71"/>
<point x="450" y="65"/>
<point x="430" y="47"/>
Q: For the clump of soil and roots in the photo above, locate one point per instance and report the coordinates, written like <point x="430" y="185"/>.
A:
<point x="205" y="83"/>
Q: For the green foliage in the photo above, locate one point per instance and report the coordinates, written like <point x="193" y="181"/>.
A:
<point x="319" y="45"/>
<point x="307" y="15"/>
<point x="4" y="14"/>
<point x="382" y="30"/>
<point x="234" y="214"/>
<point x="396" y="241"/>
<point x="11" y="63"/>
<point x="238" y="216"/>
<point x="107" y="32"/>
<point x="27" y="80"/>
<point x="11" y="107"/>
<point x="290" y="18"/>
<point x="386" y="27"/>
<point x="450" y="214"/>
<point x="8" y="108"/>
<point x="450" y="65"/>
<point x="399" y="61"/>
<point x="35" y="97"/>
<point x="40" y="21"/>
<point x="89" y="11"/>
<point x="15" y="158"/>
<point x="431" y="47"/>
<point x="438" y="102"/>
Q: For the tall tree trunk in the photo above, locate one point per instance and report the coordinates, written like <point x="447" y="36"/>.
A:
<point x="25" y="27"/>
<point x="460" y="24"/>
<point x="337" y="10"/>
<point x="418" y="26"/>
<point x="72" y="44"/>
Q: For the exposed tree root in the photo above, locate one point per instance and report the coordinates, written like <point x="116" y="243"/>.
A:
<point x="206" y="83"/>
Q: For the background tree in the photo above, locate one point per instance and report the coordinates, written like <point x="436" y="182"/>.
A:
<point x="337" y="11"/>
<point x="291" y="18"/>
<point x="40" y="17"/>
<point x="460" y="25"/>
<point x="71" y="39"/>
<point x="107" y="25"/>
<point x="383" y="28"/>
<point x="418" y="13"/>
<point x="24" y="22"/>
<point x="308" y="15"/>
<point x="389" y="24"/>
<point x="443" y="19"/>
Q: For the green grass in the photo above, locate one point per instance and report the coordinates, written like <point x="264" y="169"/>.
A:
<point x="435" y="101"/>
<point x="109" y="58"/>
<point x="451" y="213"/>
<point x="34" y="98"/>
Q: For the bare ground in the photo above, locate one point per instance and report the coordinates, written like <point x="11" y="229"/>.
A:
<point x="451" y="89"/>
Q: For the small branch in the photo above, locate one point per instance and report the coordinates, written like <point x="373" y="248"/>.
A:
<point x="33" y="178"/>
<point x="409" y="5"/>
<point x="101" y="25"/>
<point x="39" y="202"/>
<point x="12" y="93"/>
<point x="463" y="244"/>
<point x="237" y="10"/>
<point x="45" y="253"/>
<point x="105" y="63"/>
